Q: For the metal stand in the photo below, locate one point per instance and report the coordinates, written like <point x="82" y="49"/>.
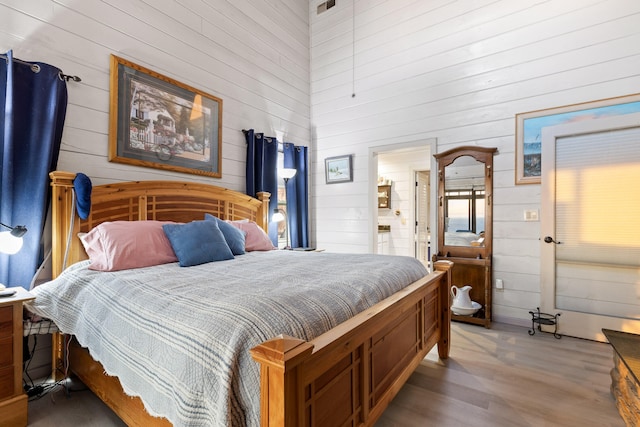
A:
<point x="544" y="319"/>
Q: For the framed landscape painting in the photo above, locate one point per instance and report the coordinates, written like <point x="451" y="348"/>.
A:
<point x="338" y="169"/>
<point x="529" y="129"/>
<point x="158" y="122"/>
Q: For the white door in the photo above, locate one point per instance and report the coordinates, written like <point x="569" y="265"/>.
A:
<point x="590" y="225"/>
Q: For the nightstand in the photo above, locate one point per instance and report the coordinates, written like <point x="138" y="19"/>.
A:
<point x="13" y="400"/>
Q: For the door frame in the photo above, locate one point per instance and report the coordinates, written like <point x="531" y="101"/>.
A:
<point x="416" y="234"/>
<point x="582" y="325"/>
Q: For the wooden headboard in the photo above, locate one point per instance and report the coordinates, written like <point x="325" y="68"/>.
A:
<point x="143" y="200"/>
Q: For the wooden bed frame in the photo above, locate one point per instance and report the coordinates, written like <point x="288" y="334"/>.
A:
<point x="345" y="377"/>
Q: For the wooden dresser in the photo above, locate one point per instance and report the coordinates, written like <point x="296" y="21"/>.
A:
<point x="13" y="400"/>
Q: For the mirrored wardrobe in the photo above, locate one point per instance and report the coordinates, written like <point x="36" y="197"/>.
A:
<point x="465" y="229"/>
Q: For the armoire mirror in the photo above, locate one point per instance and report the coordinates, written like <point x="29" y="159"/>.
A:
<point x="464" y="202"/>
<point x="465" y="186"/>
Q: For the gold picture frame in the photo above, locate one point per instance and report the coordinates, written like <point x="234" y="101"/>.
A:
<point x="158" y="122"/>
<point x="529" y="129"/>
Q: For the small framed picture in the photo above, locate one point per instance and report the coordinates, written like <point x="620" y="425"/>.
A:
<point x="338" y="169"/>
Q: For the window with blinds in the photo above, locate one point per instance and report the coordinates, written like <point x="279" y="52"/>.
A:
<point x="598" y="198"/>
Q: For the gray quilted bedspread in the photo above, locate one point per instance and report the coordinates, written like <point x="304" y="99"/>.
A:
<point x="180" y="337"/>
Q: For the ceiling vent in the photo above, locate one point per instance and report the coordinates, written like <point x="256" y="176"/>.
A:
<point x="323" y="7"/>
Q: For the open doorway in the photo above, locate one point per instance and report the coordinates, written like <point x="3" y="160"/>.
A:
<point x="401" y="226"/>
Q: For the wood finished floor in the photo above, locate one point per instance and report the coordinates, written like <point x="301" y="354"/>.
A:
<point x="495" y="377"/>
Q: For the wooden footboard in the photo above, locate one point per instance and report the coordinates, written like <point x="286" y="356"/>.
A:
<point x="349" y="375"/>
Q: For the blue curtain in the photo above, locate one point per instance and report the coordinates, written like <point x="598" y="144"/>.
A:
<point x="297" y="195"/>
<point x="262" y="164"/>
<point x="33" y="103"/>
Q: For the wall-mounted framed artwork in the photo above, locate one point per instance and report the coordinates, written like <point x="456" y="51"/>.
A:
<point x="158" y="122"/>
<point x="338" y="169"/>
<point x="529" y="129"/>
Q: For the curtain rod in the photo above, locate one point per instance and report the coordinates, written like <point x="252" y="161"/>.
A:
<point x="268" y="138"/>
<point x="36" y="68"/>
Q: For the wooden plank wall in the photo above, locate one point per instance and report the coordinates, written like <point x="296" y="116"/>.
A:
<point x="253" y="55"/>
<point x="458" y="72"/>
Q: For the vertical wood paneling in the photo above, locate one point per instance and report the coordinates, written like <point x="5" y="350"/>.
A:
<point x="459" y="72"/>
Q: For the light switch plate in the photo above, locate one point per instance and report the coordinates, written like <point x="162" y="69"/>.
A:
<point x="531" y="215"/>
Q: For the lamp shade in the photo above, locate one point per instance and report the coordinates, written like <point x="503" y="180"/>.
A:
<point x="10" y="244"/>
<point x="287" y="173"/>
<point x="277" y="216"/>
<point x="11" y="241"/>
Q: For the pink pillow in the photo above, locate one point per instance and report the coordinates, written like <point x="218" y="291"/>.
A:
<point x="256" y="239"/>
<point x="121" y="245"/>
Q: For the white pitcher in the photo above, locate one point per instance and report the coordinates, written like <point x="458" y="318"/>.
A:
<point x="461" y="296"/>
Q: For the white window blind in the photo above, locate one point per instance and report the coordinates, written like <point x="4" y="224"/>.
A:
<point x="598" y="198"/>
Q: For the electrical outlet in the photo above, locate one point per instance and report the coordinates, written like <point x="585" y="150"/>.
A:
<point x="499" y="284"/>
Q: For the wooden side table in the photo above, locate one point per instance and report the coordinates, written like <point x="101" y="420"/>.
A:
<point x="13" y="400"/>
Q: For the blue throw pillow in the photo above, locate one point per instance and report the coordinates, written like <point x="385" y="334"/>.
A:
<point x="197" y="242"/>
<point x="234" y="236"/>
